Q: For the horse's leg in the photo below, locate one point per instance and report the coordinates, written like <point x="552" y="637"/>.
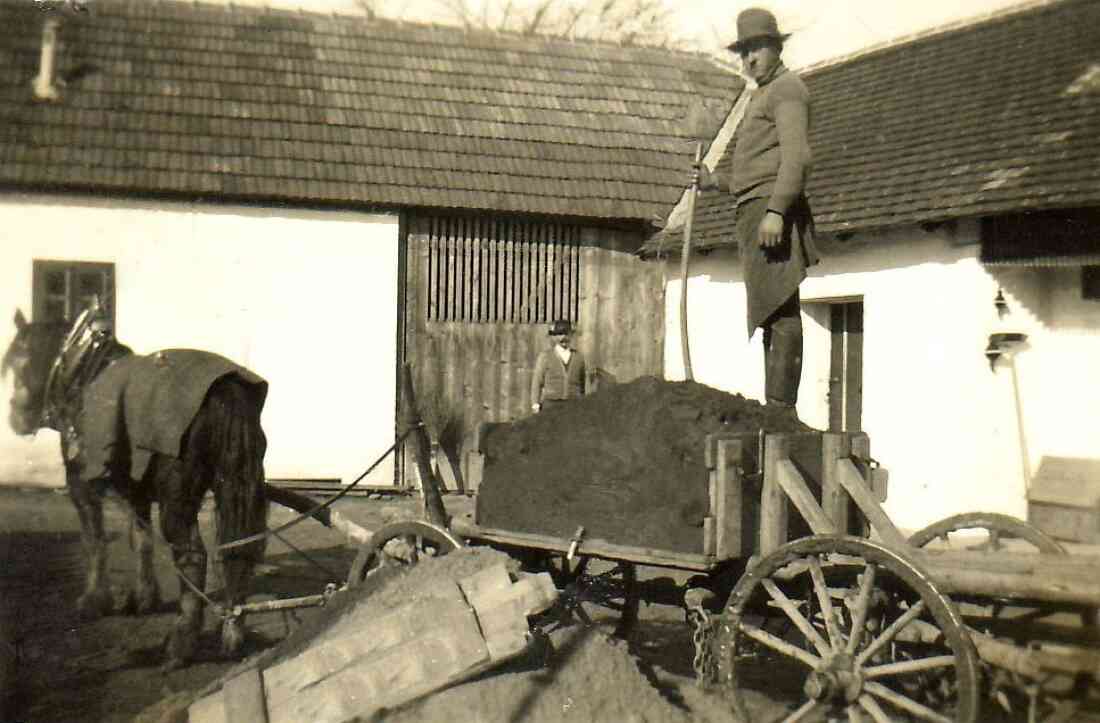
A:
<point x="179" y="523"/>
<point x="238" y="573"/>
<point x="190" y="559"/>
<point x="97" y="599"/>
<point x="145" y="597"/>
<point x="226" y="447"/>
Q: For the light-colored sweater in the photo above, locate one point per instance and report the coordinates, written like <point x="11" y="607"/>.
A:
<point x="553" y="379"/>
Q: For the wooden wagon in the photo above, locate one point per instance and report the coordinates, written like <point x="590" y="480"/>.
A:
<point x="802" y="571"/>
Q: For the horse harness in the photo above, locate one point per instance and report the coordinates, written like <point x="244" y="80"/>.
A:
<point x="87" y="350"/>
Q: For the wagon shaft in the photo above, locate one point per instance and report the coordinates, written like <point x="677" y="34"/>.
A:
<point x="1039" y="661"/>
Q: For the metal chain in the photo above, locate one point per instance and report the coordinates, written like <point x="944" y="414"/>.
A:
<point x="704" y="663"/>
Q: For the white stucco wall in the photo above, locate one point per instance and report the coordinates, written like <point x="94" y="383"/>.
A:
<point x="939" y="419"/>
<point x="307" y="299"/>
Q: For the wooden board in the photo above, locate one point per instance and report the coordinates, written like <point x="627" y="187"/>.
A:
<point x="1014" y="576"/>
<point x="1074" y="524"/>
<point x="441" y="638"/>
<point x="780" y="520"/>
<point x="464" y="526"/>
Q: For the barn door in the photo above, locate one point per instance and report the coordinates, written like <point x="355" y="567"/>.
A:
<point x="846" y="367"/>
<point x="480" y="295"/>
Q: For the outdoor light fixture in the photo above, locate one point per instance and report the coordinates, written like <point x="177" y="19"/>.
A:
<point x="1002" y="343"/>
<point x="1000" y="304"/>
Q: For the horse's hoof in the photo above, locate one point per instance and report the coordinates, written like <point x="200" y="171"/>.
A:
<point x="172" y="664"/>
<point x="232" y="637"/>
<point x="179" y="648"/>
<point x="95" y="604"/>
<point x="143" y="601"/>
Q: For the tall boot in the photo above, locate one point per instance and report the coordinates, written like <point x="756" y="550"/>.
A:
<point x="783" y="359"/>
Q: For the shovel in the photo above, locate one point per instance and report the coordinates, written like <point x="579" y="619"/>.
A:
<point x="698" y="124"/>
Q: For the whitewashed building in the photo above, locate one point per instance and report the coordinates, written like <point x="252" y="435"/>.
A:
<point x="265" y="184"/>
<point x="951" y="171"/>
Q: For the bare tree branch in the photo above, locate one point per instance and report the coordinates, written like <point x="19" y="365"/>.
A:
<point x="628" y="22"/>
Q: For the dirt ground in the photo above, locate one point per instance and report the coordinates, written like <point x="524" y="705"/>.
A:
<point x="109" y="670"/>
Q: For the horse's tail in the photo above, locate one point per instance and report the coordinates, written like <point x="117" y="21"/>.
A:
<point x="226" y="446"/>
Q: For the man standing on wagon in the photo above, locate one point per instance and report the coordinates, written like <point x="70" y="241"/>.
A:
<point x="774" y="224"/>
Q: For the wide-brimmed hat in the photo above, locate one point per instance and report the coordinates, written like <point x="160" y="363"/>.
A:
<point x="756" y="23"/>
<point x="560" y="327"/>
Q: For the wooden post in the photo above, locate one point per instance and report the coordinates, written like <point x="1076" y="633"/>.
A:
<point x="794" y="486"/>
<point x="854" y="482"/>
<point x="834" y="500"/>
<point x="429" y="486"/>
<point x="859" y="447"/>
<point x="727" y="498"/>
<point x="773" y="503"/>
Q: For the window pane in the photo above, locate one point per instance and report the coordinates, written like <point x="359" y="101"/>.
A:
<point x="89" y="284"/>
<point x="82" y="303"/>
<point x="1090" y="282"/>
<point x="54" y="310"/>
<point x="55" y="283"/>
<point x="62" y="289"/>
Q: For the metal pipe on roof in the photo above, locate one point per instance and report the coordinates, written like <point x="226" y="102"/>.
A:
<point x="44" y="86"/>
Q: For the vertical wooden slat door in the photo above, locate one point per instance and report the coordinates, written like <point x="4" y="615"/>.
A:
<point x="481" y="293"/>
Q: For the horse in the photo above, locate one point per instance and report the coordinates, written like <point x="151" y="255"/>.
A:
<point x="167" y="428"/>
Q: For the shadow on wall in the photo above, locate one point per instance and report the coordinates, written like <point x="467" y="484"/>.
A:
<point x="1024" y="290"/>
<point x="1052" y="296"/>
<point x="33" y="461"/>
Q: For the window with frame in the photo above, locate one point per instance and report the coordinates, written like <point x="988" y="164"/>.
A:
<point x="491" y="270"/>
<point x="62" y="289"/>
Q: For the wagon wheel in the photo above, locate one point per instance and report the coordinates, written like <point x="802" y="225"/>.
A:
<point x="584" y="591"/>
<point x="997" y="528"/>
<point x="868" y="636"/>
<point x="400" y="544"/>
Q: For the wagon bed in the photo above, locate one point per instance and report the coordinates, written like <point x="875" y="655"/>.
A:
<point x="793" y="507"/>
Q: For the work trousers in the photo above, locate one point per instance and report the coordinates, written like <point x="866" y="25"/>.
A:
<point x="783" y="352"/>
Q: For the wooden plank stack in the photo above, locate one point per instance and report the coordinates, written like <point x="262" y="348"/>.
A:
<point x="433" y="641"/>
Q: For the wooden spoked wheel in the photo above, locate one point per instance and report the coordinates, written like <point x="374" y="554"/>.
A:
<point x="400" y="544"/>
<point x="859" y="629"/>
<point x="1013" y="619"/>
<point x="992" y="532"/>
<point x="987" y="532"/>
<point x="590" y="588"/>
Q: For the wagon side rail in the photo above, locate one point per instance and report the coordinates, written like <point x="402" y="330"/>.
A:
<point x="1067" y="580"/>
<point x="845" y="479"/>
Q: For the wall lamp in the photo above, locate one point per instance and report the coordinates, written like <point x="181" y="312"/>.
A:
<point x="1002" y="343"/>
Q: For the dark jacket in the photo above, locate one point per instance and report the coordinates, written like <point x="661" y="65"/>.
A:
<point x="771" y="153"/>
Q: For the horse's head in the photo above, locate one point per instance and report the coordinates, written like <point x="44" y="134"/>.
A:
<point x="29" y="358"/>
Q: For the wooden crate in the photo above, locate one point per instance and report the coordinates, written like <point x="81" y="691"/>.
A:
<point x="1064" y="499"/>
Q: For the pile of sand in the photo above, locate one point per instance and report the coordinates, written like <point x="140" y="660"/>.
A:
<point x="581" y="675"/>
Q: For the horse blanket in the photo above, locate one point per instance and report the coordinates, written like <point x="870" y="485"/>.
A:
<point x="141" y="405"/>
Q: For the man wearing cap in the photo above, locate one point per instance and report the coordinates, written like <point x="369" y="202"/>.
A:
<point x="774" y="224"/>
<point x="559" y="371"/>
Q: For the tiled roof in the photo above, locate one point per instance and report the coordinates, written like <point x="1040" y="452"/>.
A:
<point x="181" y="98"/>
<point x="991" y="118"/>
